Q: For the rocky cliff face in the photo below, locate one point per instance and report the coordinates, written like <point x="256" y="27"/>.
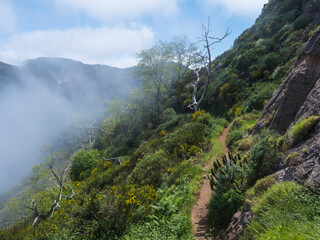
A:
<point x="298" y="97"/>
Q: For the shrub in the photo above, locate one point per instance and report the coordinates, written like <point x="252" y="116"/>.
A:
<point x="82" y="162"/>
<point x="293" y="159"/>
<point x="264" y="152"/>
<point x="228" y="195"/>
<point x="233" y="137"/>
<point x="302" y="128"/>
<point x="150" y="169"/>
<point x="301" y="22"/>
<point x="244" y="145"/>
<point x="262" y="92"/>
<point x="222" y="206"/>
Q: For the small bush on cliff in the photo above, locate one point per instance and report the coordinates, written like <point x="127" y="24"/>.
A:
<point x="263" y="154"/>
<point x="303" y="127"/>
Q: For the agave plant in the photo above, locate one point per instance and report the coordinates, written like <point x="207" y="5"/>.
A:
<point x="221" y="167"/>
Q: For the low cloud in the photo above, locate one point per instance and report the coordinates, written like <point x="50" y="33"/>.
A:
<point x="243" y="8"/>
<point x="114" y="46"/>
<point x="110" y="10"/>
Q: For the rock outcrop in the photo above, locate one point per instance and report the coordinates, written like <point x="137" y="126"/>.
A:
<point x="298" y="97"/>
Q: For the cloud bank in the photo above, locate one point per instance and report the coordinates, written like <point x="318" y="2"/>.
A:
<point x="115" y="46"/>
<point x="110" y="10"/>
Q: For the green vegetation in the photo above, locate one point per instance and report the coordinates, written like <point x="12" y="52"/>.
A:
<point x="302" y="128"/>
<point x="240" y="128"/>
<point x="83" y="162"/>
<point x="163" y="149"/>
<point x="264" y="152"/>
<point x="292" y="159"/>
<point x="228" y="182"/>
<point x="285" y="211"/>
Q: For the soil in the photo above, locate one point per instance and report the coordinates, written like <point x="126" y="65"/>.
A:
<point x="199" y="214"/>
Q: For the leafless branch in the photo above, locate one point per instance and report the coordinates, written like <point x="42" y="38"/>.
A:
<point x="205" y="55"/>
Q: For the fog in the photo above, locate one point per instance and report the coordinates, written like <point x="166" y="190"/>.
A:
<point x="45" y="103"/>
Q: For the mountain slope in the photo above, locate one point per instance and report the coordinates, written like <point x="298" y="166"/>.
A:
<point x="261" y="57"/>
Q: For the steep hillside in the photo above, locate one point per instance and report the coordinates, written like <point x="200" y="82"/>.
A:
<point x="8" y="75"/>
<point x="138" y="174"/>
<point x="261" y="57"/>
<point x="295" y="112"/>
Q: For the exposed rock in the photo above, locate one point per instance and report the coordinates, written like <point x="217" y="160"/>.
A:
<point x="239" y="221"/>
<point x="298" y="95"/>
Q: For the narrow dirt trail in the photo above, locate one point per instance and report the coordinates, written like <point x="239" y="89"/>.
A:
<point x="199" y="214"/>
<point x="223" y="138"/>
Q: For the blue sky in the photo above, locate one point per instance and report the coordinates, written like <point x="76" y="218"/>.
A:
<point x="111" y="32"/>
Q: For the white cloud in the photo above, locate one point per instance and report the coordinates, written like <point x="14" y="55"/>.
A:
<point x="115" y="46"/>
<point x="122" y="9"/>
<point x="8" y="18"/>
<point x="243" y="7"/>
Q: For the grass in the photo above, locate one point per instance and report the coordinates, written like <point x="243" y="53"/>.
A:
<point x="286" y="210"/>
<point x="303" y="127"/>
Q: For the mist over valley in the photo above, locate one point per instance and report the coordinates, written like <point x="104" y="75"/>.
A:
<point x="44" y="99"/>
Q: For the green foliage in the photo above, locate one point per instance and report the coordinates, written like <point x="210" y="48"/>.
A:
<point x="301" y="22"/>
<point x="233" y="137"/>
<point x="261" y="93"/>
<point x="228" y="181"/>
<point x="293" y="159"/>
<point x="264" y="152"/>
<point x="285" y="211"/>
<point x="83" y="161"/>
<point x="302" y="128"/>
<point x="150" y="168"/>
<point x="259" y="188"/>
<point x="173" y="228"/>
<point x="240" y="128"/>
<point x="226" y="198"/>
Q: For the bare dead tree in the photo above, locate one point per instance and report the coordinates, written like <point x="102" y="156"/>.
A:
<point x="207" y="41"/>
<point x="58" y="185"/>
<point x="87" y="133"/>
<point x="114" y="160"/>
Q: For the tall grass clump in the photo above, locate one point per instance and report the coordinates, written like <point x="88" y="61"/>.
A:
<point x="286" y="210"/>
<point x="302" y="128"/>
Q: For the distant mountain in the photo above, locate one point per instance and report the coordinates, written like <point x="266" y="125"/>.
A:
<point x="73" y="79"/>
<point x="8" y="74"/>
